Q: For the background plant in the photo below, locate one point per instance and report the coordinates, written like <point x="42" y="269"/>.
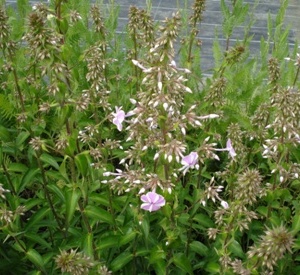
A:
<point x="90" y="122"/>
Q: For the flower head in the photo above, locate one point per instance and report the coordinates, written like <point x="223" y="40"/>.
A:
<point x="152" y="201"/>
<point x="228" y="148"/>
<point x="189" y="161"/>
<point x="119" y="117"/>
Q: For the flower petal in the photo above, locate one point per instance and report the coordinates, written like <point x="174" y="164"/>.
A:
<point x="146" y="206"/>
<point x="145" y="198"/>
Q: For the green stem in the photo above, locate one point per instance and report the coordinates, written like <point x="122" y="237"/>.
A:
<point x="13" y="191"/>
<point x="16" y="79"/>
<point x="296" y="77"/>
<point x="191" y="40"/>
<point x="84" y="217"/>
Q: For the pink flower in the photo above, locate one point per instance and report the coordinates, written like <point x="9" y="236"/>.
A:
<point x="119" y="117"/>
<point x="152" y="201"/>
<point x="189" y="161"/>
<point x="228" y="148"/>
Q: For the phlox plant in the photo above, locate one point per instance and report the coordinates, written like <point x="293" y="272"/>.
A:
<point x="118" y="155"/>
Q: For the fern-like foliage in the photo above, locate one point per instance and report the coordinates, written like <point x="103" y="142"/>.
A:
<point x="7" y="112"/>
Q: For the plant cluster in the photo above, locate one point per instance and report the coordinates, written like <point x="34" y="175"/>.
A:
<point x="118" y="156"/>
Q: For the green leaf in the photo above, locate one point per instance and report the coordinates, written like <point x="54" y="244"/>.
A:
<point x="37" y="217"/>
<point x="54" y="188"/>
<point x="36" y="259"/>
<point x="199" y="248"/>
<point x="184" y="219"/>
<point x="18" y="246"/>
<point x="99" y="199"/>
<point x="157" y="254"/>
<point x="4" y="134"/>
<point x="296" y="224"/>
<point x="17" y="167"/>
<point x="32" y="203"/>
<point x="127" y="238"/>
<point x="37" y="239"/>
<point x="297" y="244"/>
<point x="203" y="220"/>
<point x="263" y="210"/>
<point x="213" y="268"/>
<point x="99" y="214"/>
<point x="109" y="242"/>
<point x="142" y="252"/>
<point x="120" y="261"/>
<point x="236" y="249"/>
<point x="88" y="244"/>
<point x="63" y="169"/>
<point x="21" y="139"/>
<point x="181" y="261"/>
<point x="72" y="196"/>
<point x="83" y="162"/>
<point x="46" y="158"/>
<point x="160" y="267"/>
<point x="145" y="228"/>
<point x="28" y="178"/>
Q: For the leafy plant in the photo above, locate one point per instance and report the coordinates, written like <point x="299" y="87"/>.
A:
<point x="118" y="156"/>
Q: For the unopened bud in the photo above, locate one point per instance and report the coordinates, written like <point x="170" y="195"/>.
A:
<point x="224" y="204"/>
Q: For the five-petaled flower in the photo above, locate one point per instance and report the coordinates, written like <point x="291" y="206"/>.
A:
<point x="228" y="148"/>
<point x="119" y="117"/>
<point x="189" y="161"/>
<point x="152" y="201"/>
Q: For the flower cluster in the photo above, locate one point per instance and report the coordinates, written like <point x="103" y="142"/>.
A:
<point x="74" y="262"/>
<point x="272" y="247"/>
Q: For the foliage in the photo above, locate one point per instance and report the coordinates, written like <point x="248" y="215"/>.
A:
<point x="98" y="127"/>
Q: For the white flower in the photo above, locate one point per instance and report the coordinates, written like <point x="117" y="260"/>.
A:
<point x="224" y="204"/>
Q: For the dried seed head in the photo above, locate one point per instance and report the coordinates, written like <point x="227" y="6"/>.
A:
<point x="198" y="9"/>
<point x="98" y="20"/>
<point x="4" y="29"/>
<point x="3" y="191"/>
<point x="274" y="71"/>
<point x="6" y="215"/>
<point x="216" y="91"/>
<point x="212" y="233"/>
<point x="248" y="187"/>
<point x="62" y="143"/>
<point x="74" y="262"/>
<point x="238" y="268"/>
<point x="103" y="270"/>
<point x="36" y="143"/>
<point x="272" y="246"/>
<point x="234" y="54"/>
<point x="74" y="16"/>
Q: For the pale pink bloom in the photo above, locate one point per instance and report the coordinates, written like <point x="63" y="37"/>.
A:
<point x="119" y="117"/>
<point x="228" y="148"/>
<point x="152" y="201"/>
<point x="189" y="161"/>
